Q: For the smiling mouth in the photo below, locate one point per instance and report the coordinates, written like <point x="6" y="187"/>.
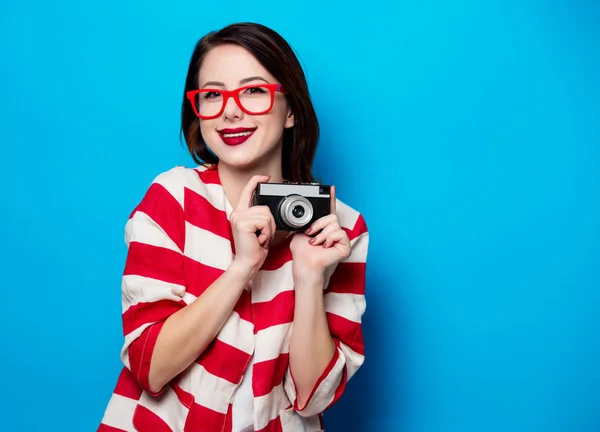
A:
<point x="231" y="136"/>
<point x="237" y="134"/>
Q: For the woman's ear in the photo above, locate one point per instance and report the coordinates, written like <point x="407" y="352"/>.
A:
<point x="289" y="120"/>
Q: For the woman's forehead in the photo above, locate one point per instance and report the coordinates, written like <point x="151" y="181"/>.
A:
<point x="230" y="65"/>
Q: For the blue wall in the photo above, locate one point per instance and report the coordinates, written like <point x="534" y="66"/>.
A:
<point x="466" y="132"/>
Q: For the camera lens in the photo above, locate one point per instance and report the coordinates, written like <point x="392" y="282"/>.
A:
<point x="298" y="211"/>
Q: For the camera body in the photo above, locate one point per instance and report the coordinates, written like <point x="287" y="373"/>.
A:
<point x="295" y="206"/>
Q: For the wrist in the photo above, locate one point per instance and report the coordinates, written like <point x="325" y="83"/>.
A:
<point x="306" y="277"/>
<point x="240" y="272"/>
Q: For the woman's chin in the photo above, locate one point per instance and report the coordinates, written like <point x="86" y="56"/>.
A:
<point x="239" y="162"/>
<point x="247" y="160"/>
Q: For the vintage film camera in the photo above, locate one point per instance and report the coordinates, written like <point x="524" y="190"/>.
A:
<point x="295" y="206"/>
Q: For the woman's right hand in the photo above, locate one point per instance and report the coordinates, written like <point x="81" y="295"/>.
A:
<point x="246" y="220"/>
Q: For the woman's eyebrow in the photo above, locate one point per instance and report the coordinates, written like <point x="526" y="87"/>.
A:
<point x="242" y="81"/>
<point x="213" y="83"/>
<point x="253" y="78"/>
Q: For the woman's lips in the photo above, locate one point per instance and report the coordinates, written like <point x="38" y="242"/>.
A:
<point x="235" y="136"/>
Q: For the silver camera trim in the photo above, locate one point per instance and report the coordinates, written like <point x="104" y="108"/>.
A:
<point x="287" y="206"/>
<point x="282" y="189"/>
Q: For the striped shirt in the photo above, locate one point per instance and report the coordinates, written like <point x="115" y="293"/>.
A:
<point x="179" y="242"/>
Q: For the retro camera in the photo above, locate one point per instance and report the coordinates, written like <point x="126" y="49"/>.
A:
<point x="294" y="206"/>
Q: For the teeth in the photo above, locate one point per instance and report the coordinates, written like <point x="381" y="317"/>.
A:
<point x="237" y="134"/>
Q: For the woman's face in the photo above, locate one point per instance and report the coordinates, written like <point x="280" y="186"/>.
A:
<point x="241" y="140"/>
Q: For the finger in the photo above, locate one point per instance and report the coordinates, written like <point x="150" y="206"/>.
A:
<point x="266" y="233"/>
<point x="333" y="200"/>
<point x="262" y="211"/>
<point x="273" y="224"/>
<point x="334" y="237"/>
<point x="265" y="236"/>
<point x="321" y="223"/>
<point x="254" y="224"/>
<point x="245" y="199"/>
<point x="329" y="229"/>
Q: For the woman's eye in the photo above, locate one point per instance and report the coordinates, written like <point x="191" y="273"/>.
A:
<point x="256" y="90"/>
<point x="211" y="95"/>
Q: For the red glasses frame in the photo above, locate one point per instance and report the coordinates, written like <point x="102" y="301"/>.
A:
<point x="235" y="94"/>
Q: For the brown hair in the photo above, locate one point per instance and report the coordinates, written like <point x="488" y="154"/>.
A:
<point x="276" y="55"/>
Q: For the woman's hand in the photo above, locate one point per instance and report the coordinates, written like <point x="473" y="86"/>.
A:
<point x="312" y="256"/>
<point x="246" y="221"/>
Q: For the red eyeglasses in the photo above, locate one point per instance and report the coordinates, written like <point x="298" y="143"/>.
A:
<point x="255" y="99"/>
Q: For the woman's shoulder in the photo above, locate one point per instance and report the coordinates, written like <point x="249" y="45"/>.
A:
<point x="179" y="178"/>
<point x="353" y="222"/>
<point x="182" y="176"/>
<point x="349" y="217"/>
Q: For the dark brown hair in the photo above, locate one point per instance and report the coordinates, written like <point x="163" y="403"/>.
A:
<point x="276" y="55"/>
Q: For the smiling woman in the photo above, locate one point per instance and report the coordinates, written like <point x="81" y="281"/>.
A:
<point x="265" y="127"/>
<point x="231" y="323"/>
<point x="271" y="89"/>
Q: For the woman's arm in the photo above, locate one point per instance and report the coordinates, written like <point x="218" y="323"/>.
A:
<point x="187" y="333"/>
<point x="163" y="334"/>
<point x="311" y="344"/>
<point x="326" y="346"/>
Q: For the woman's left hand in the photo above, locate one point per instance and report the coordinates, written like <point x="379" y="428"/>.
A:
<point x="312" y="256"/>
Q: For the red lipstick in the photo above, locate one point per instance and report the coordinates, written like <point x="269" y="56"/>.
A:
<point x="235" y="136"/>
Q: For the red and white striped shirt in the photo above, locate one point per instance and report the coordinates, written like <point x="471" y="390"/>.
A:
<point x="179" y="242"/>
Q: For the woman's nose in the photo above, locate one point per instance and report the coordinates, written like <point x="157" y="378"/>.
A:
<point x="232" y="110"/>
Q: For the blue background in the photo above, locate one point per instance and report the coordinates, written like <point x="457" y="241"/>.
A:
<point x="467" y="132"/>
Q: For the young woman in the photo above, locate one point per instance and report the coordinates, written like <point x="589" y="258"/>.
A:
<point x="229" y="323"/>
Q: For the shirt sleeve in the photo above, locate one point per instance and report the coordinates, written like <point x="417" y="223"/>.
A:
<point x="153" y="283"/>
<point x="344" y="305"/>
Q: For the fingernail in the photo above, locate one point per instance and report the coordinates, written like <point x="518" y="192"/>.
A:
<point x="308" y="231"/>
<point x="312" y="240"/>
